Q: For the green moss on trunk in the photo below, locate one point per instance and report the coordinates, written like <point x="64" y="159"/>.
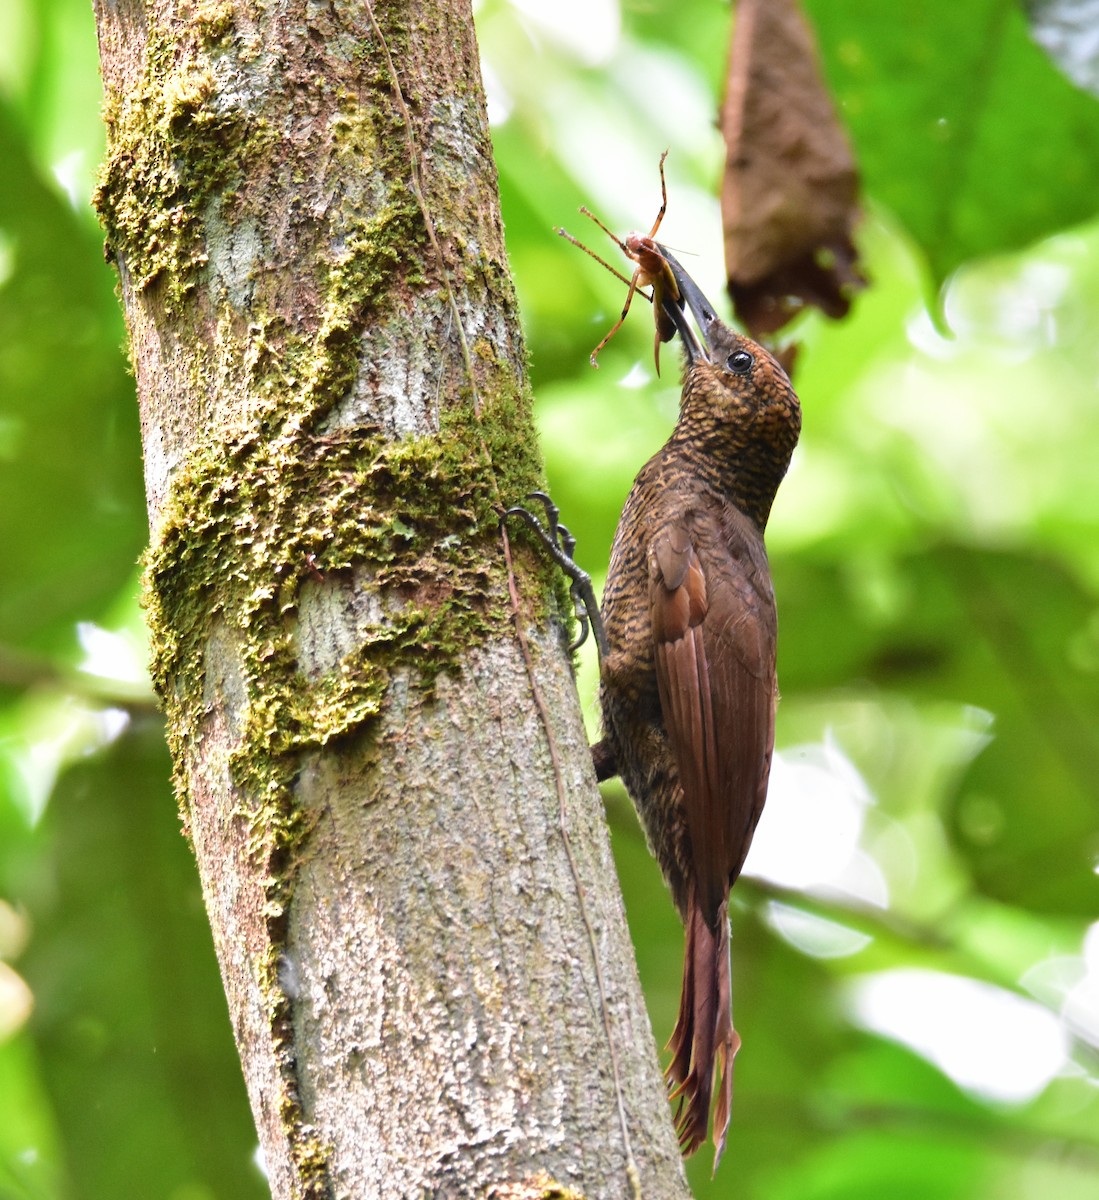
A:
<point x="174" y="145"/>
<point x="281" y="502"/>
<point x="251" y="522"/>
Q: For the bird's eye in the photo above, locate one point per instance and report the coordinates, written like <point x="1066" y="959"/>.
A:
<point x="740" y="362"/>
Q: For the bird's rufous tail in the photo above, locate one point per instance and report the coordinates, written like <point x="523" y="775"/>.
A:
<point x="704" y="1040"/>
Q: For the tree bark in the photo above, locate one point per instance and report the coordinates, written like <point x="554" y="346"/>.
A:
<point x="431" y="994"/>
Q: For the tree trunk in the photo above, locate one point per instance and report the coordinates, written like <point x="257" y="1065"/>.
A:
<point x="431" y="995"/>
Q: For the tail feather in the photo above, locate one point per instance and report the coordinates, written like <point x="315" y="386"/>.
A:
<point x="704" y="1040"/>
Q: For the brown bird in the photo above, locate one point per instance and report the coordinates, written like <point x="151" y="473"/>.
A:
<point x="687" y="648"/>
<point x="688" y="672"/>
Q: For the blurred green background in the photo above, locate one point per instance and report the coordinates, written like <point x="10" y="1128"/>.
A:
<point x="916" y="939"/>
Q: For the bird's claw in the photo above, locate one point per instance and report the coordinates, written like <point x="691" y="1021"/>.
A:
<point x="561" y="545"/>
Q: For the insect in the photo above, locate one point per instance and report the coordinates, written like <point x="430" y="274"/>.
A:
<point x="652" y="271"/>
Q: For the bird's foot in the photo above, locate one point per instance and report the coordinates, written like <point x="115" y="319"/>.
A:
<point x="560" y="544"/>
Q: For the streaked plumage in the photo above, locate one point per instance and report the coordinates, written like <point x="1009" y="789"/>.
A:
<point x="688" y="681"/>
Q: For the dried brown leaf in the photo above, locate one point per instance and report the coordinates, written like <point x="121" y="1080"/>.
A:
<point x="789" y="200"/>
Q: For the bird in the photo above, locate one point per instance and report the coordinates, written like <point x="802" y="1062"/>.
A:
<point x="687" y="674"/>
<point x="687" y="635"/>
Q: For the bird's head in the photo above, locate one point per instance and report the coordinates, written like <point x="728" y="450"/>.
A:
<point x="737" y="398"/>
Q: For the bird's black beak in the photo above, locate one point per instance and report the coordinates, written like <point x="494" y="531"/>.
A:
<point x="676" y="307"/>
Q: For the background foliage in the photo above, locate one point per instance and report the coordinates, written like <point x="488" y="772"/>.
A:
<point x="915" y="942"/>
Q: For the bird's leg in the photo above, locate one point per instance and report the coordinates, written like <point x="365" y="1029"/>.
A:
<point x="561" y="544"/>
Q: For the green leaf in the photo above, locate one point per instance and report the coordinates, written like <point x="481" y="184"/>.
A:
<point x="1025" y="815"/>
<point x="1012" y="634"/>
<point x="29" y="1150"/>
<point x="903" y="1164"/>
<point x="72" y="519"/>
<point x="961" y="124"/>
<point x="130" y="1021"/>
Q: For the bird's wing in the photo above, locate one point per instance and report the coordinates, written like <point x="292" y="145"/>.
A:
<point x="714" y="628"/>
